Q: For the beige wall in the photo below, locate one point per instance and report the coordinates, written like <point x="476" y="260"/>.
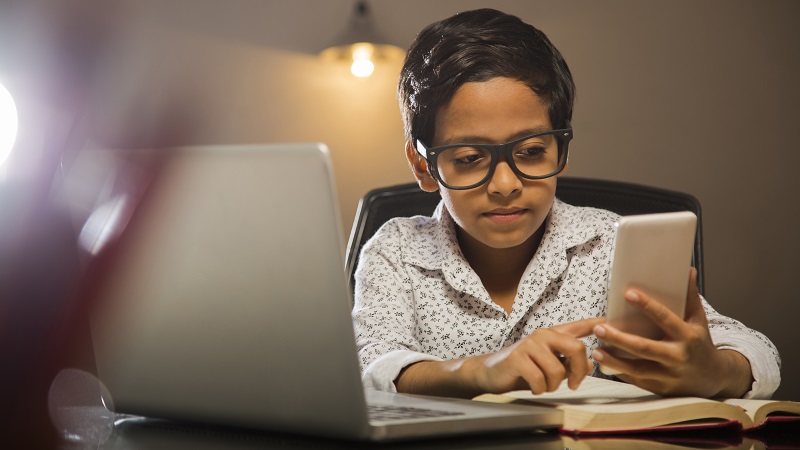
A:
<point x="694" y="96"/>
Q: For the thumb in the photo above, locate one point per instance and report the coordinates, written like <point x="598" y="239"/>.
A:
<point x="694" y="305"/>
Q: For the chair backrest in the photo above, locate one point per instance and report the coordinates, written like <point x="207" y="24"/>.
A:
<point x="405" y="200"/>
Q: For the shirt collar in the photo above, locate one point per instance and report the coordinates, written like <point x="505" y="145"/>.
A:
<point x="438" y="248"/>
<point x="566" y="229"/>
<point x="437" y="243"/>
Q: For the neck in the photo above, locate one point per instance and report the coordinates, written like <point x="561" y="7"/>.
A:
<point x="500" y="269"/>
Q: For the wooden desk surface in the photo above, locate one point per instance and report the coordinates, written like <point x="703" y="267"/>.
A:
<point x="140" y="433"/>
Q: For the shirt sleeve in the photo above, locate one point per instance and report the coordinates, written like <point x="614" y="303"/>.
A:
<point x="765" y="362"/>
<point x="383" y="315"/>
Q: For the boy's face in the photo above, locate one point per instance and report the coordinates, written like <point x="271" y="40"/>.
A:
<point x="506" y="211"/>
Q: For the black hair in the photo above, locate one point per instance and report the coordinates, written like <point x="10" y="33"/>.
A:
<point x="474" y="46"/>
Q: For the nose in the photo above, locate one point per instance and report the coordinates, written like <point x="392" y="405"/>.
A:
<point x="504" y="181"/>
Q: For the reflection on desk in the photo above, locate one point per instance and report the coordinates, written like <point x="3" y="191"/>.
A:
<point x="138" y="433"/>
<point x="145" y="434"/>
<point x="94" y="427"/>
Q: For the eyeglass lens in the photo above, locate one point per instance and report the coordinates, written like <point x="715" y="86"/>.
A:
<point x="466" y="165"/>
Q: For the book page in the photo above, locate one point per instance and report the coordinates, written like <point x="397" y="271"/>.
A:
<point x="759" y="409"/>
<point x="591" y="391"/>
<point x="604" y="405"/>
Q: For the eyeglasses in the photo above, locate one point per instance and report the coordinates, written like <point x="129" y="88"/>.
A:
<point x="467" y="166"/>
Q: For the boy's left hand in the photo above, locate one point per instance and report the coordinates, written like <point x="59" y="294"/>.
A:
<point x="685" y="362"/>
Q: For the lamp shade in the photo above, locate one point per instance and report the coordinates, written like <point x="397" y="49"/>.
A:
<point x="361" y="44"/>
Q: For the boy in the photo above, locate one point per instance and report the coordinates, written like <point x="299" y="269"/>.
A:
<point x="504" y="287"/>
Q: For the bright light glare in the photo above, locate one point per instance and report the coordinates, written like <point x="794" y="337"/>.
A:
<point x="8" y="123"/>
<point x="362" y="68"/>
<point x="103" y="225"/>
<point x="362" y="60"/>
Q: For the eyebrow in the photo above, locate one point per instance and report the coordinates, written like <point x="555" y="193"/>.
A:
<point x="476" y="139"/>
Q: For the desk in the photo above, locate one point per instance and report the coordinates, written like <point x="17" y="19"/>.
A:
<point x="133" y="433"/>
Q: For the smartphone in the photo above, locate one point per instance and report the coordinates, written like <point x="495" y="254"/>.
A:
<point x="652" y="252"/>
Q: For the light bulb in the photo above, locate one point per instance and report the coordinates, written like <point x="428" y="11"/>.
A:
<point x="8" y="123"/>
<point x="362" y="60"/>
<point x="362" y="68"/>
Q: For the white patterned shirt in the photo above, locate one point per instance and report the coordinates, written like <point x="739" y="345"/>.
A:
<point x="418" y="299"/>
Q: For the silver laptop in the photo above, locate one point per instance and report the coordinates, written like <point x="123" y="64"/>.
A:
<point x="225" y="302"/>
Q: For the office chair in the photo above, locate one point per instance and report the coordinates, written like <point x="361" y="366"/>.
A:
<point x="405" y="200"/>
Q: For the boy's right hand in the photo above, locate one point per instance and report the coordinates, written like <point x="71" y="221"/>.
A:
<point x="539" y="362"/>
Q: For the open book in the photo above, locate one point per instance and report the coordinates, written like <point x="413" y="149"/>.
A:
<point x="602" y="406"/>
<point x="606" y="442"/>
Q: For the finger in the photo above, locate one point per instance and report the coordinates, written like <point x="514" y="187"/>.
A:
<point x="648" y="384"/>
<point x="557" y="356"/>
<point x="694" y="305"/>
<point x="578" y="368"/>
<point x="534" y="378"/>
<point x="629" y="369"/>
<point x="552" y="369"/>
<point x="639" y="347"/>
<point x="574" y="360"/>
<point x="579" y="328"/>
<point x="673" y="326"/>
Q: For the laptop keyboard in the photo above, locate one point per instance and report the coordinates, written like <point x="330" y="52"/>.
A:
<point x="394" y="412"/>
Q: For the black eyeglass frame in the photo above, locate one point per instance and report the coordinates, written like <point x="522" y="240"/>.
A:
<point x="564" y="136"/>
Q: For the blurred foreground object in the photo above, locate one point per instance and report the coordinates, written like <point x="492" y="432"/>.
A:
<point x="8" y="123"/>
<point x="50" y="52"/>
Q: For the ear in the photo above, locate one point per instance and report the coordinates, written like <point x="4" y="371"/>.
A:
<point x="419" y="167"/>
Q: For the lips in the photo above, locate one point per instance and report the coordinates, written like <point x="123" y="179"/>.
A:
<point x="505" y="215"/>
